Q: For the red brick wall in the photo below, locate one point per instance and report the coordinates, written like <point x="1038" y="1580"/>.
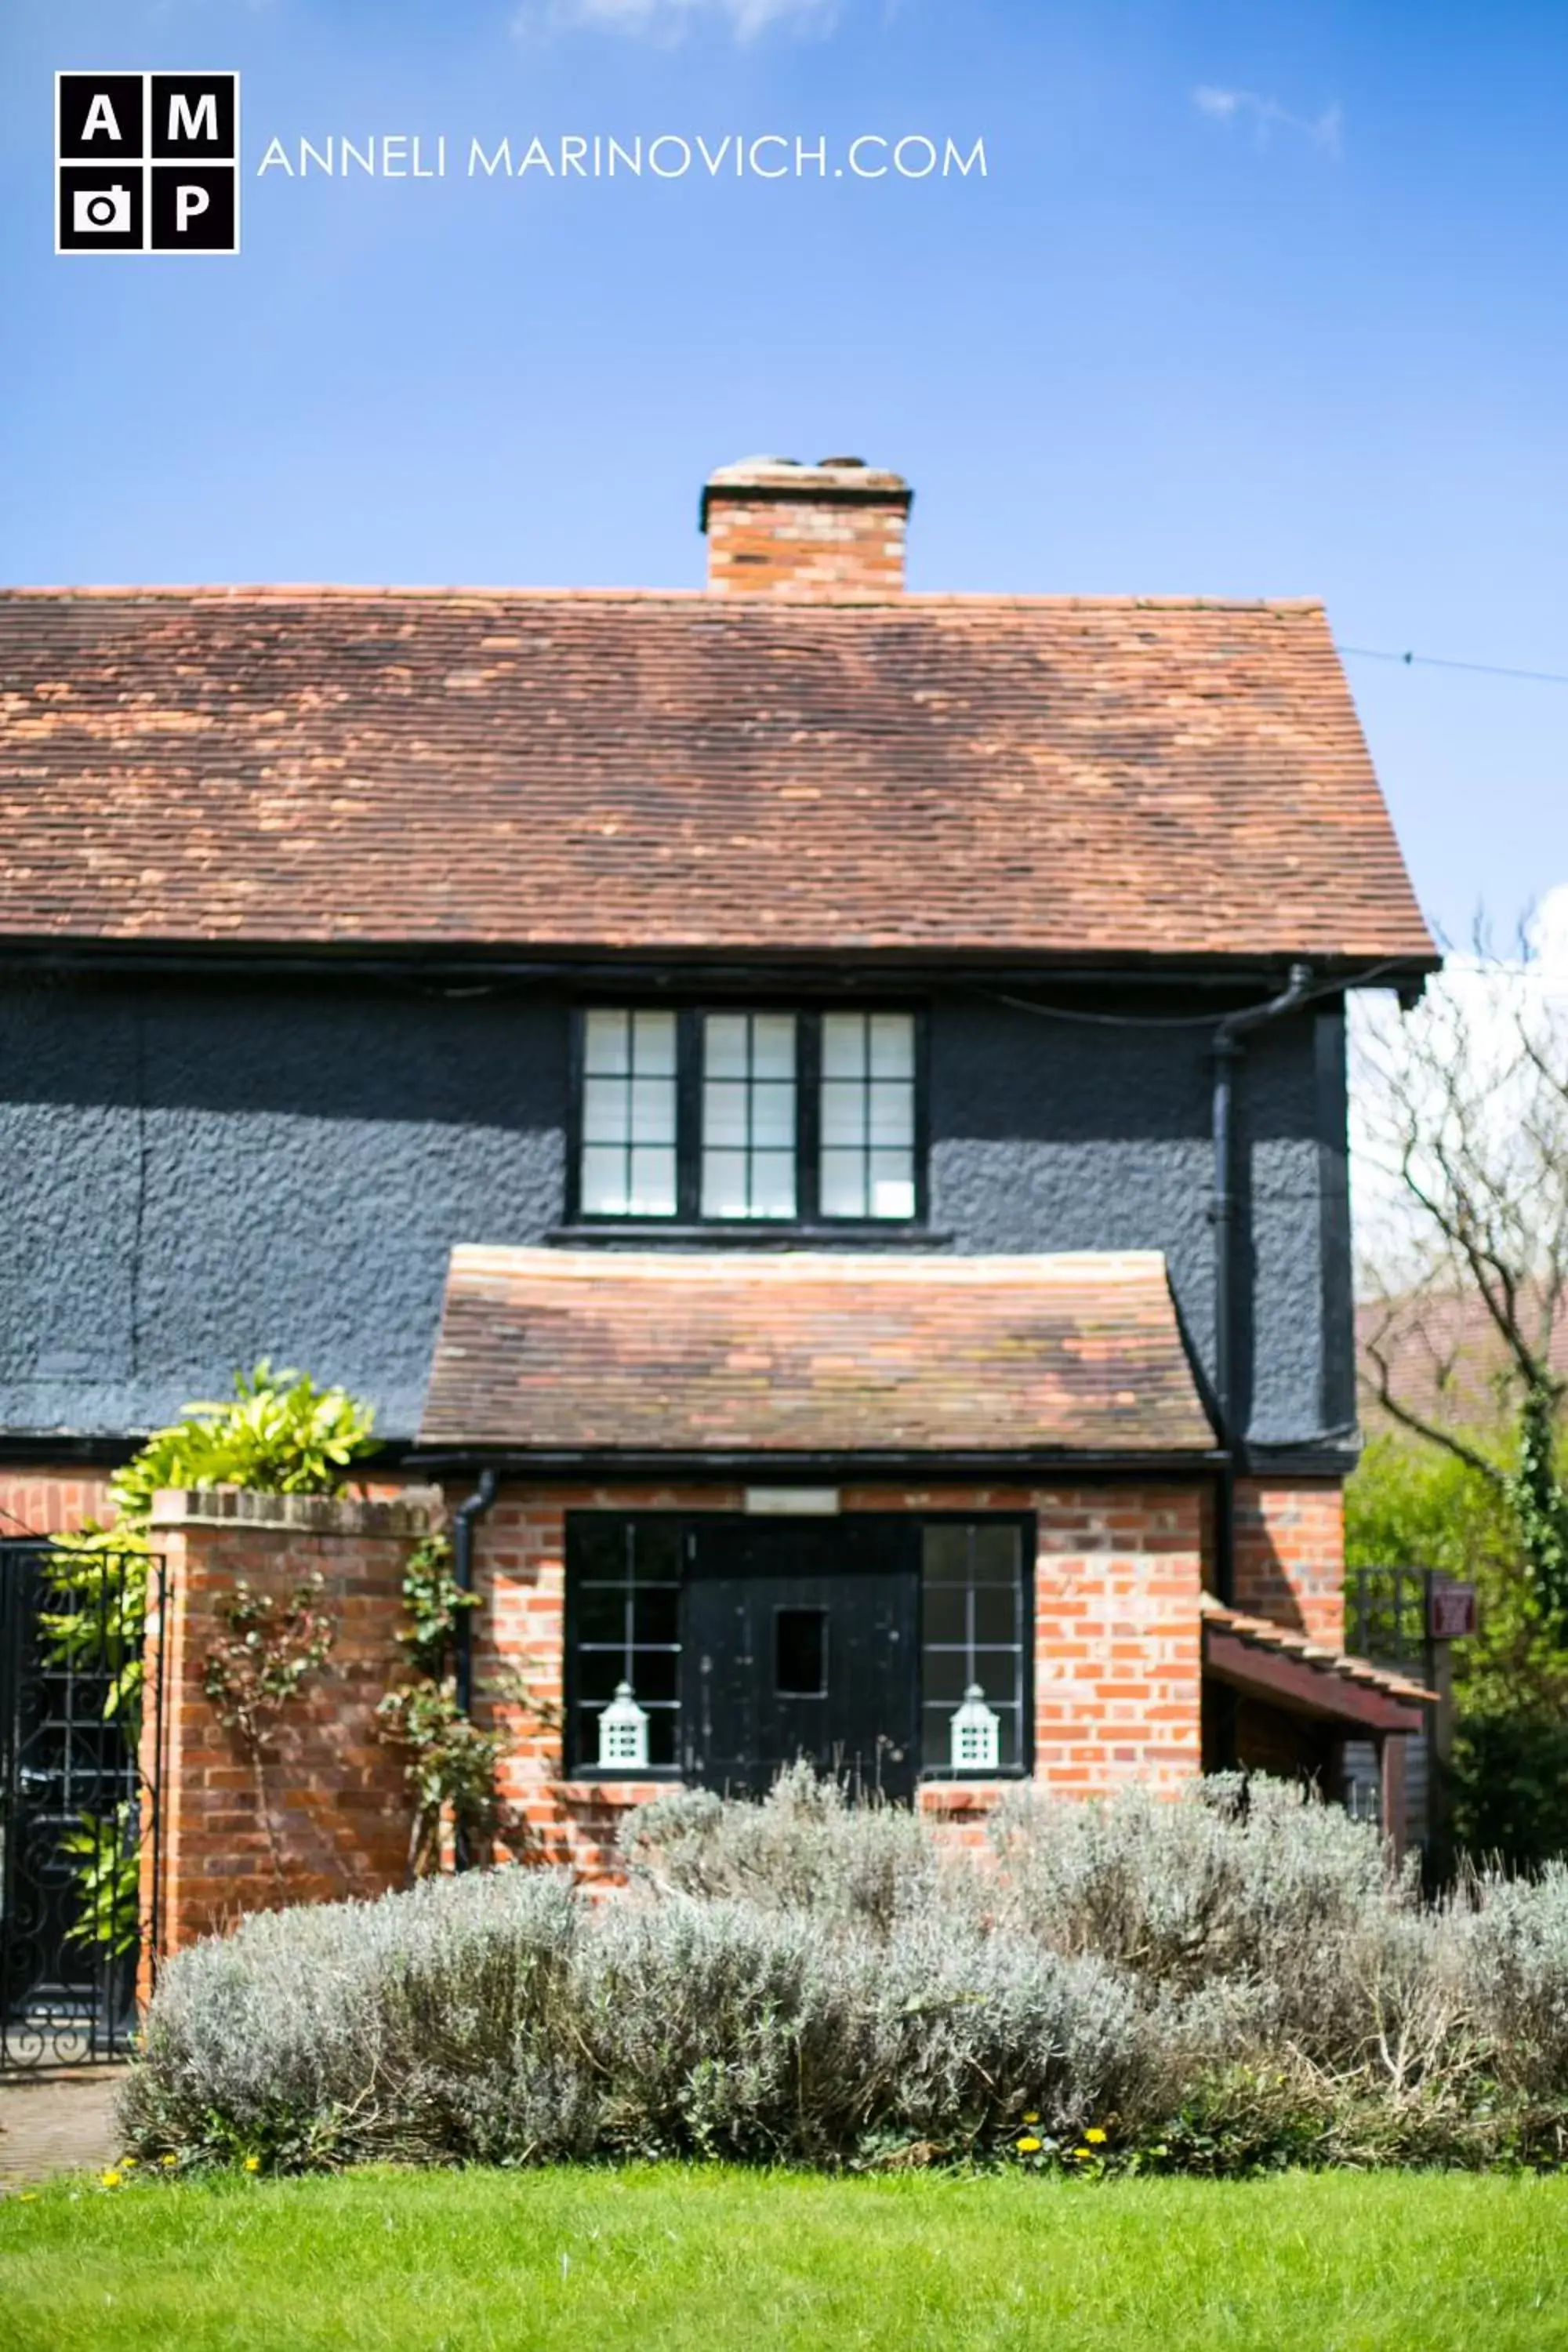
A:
<point x="1118" y="1657"/>
<point x="806" y="548"/>
<point x="1290" y="1554"/>
<point x="331" y="1788"/>
<point x="51" y="1499"/>
<point x="1117" y="1677"/>
<point x="1117" y="1671"/>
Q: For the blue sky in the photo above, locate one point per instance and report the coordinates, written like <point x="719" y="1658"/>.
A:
<point x="1252" y="299"/>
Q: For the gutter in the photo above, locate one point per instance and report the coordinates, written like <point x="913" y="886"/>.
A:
<point x="858" y="1468"/>
<point x="617" y="966"/>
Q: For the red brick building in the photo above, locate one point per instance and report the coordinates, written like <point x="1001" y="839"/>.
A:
<point x="815" y="1111"/>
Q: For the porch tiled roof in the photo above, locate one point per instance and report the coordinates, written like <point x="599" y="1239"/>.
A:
<point x="1263" y="1635"/>
<point x="807" y="1354"/>
<point x="1057" y="778"/>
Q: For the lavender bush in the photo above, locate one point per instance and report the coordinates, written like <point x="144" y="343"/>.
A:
<point x="1232" y="1979"/>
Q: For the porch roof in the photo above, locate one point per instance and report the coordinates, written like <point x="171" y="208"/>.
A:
<point x="799" y="1355"/>
<point x="1275" y="1663"/>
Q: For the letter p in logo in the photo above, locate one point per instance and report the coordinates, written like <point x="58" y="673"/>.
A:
<point x="193" y="209"/>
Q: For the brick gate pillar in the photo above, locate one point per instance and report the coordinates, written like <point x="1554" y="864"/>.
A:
<point x="327" y="1814"/>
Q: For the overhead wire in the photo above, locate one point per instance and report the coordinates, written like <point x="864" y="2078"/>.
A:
<point x="1440" y="661"/>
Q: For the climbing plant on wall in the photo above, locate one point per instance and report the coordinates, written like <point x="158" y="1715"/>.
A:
<point x="280" y="1434"/>
<point x="450" y="1763"/>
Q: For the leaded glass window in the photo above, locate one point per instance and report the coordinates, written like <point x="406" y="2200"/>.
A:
<point x="868" y="1150"/>
<point x="749" y="1090"/>
<point x="714" y="1115"/>
<point x="628" y="1163"/>
<point x="973" y="1631"/>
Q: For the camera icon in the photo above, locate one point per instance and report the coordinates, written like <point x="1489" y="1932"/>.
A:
<point x="101" y="212"/>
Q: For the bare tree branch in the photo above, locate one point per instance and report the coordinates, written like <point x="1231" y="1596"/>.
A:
<point x="1466" y="1112"/>
<point x="1382" y="1388"/>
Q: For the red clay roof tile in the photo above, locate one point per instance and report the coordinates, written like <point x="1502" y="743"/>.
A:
<point x="583" y="770"/>
<point x="796" y="1352"/>
<point x="1283" y="1641"/>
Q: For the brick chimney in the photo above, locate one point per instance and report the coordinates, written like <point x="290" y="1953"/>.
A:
<point x="829" y="532"/>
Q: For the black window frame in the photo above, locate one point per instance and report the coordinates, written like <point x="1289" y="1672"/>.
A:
<point x="688" y="1217"/>
<point x="1025" y="1527"/>
<point x="623" y="1526"/>
<point x="576" y="1766"/>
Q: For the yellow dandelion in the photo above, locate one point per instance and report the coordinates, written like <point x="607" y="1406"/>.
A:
<point x="112" y="2178"/>
<point x="1083" y="2154"/>
<point x="253" y="2164"/>
<point x="1028" y="2145"/>
<point x="1031" y="2119"/>
<point x="128" y="2164"/>
<point x="168" y="2159"/>
<point x="1095" y="2137"/>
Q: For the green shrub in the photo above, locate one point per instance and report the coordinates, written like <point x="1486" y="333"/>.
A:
<point x="1409" y="1505"/>
<point x="280" y="1434"/>
<point x="1205" y="1982"/>
<point x="1505" y="1792"/>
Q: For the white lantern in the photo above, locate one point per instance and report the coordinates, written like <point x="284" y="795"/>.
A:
<point x="622" y="1729"/>
<point x="977" y="1735"/>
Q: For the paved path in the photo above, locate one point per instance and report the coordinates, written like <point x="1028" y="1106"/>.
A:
<point x="61" y="2122"/>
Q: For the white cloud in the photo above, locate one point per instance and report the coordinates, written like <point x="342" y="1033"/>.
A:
<point x="1267" y="115"/>
<point x="670" y="20"/>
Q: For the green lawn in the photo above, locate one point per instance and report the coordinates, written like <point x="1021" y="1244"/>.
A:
<point x="715" y="2260"/>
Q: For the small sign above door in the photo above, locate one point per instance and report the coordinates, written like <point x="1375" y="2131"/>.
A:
<point x="792" y="1502"/>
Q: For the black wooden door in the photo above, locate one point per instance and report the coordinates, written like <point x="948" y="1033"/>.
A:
<point x="800" y="1640"/>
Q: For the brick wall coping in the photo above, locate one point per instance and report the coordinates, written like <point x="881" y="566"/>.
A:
<point x="416" y="1513"/>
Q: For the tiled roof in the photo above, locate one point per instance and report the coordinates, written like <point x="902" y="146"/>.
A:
<point x="1052" y="778"/>
<point x="780" y="1353"/>
<point x="1445" y="1357"/>
<point x="1282" y="1641"/>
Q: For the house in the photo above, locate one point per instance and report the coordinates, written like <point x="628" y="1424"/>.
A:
<point x="816" y="1113"/>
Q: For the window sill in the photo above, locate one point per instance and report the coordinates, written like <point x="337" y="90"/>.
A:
<point x="754" y="1233"/>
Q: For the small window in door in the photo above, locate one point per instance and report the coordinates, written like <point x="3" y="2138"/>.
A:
<point x="800" y="1654"/>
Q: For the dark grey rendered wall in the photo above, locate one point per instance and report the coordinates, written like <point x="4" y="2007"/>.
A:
<point x="195" y="1176"/>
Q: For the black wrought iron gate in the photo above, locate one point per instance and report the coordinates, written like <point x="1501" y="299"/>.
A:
<point x="78" y="1803"/>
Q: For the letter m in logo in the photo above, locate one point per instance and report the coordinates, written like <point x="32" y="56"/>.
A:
<point x="186" y="123"/>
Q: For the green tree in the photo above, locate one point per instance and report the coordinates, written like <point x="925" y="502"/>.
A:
<point x="1409" y="1504"/>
